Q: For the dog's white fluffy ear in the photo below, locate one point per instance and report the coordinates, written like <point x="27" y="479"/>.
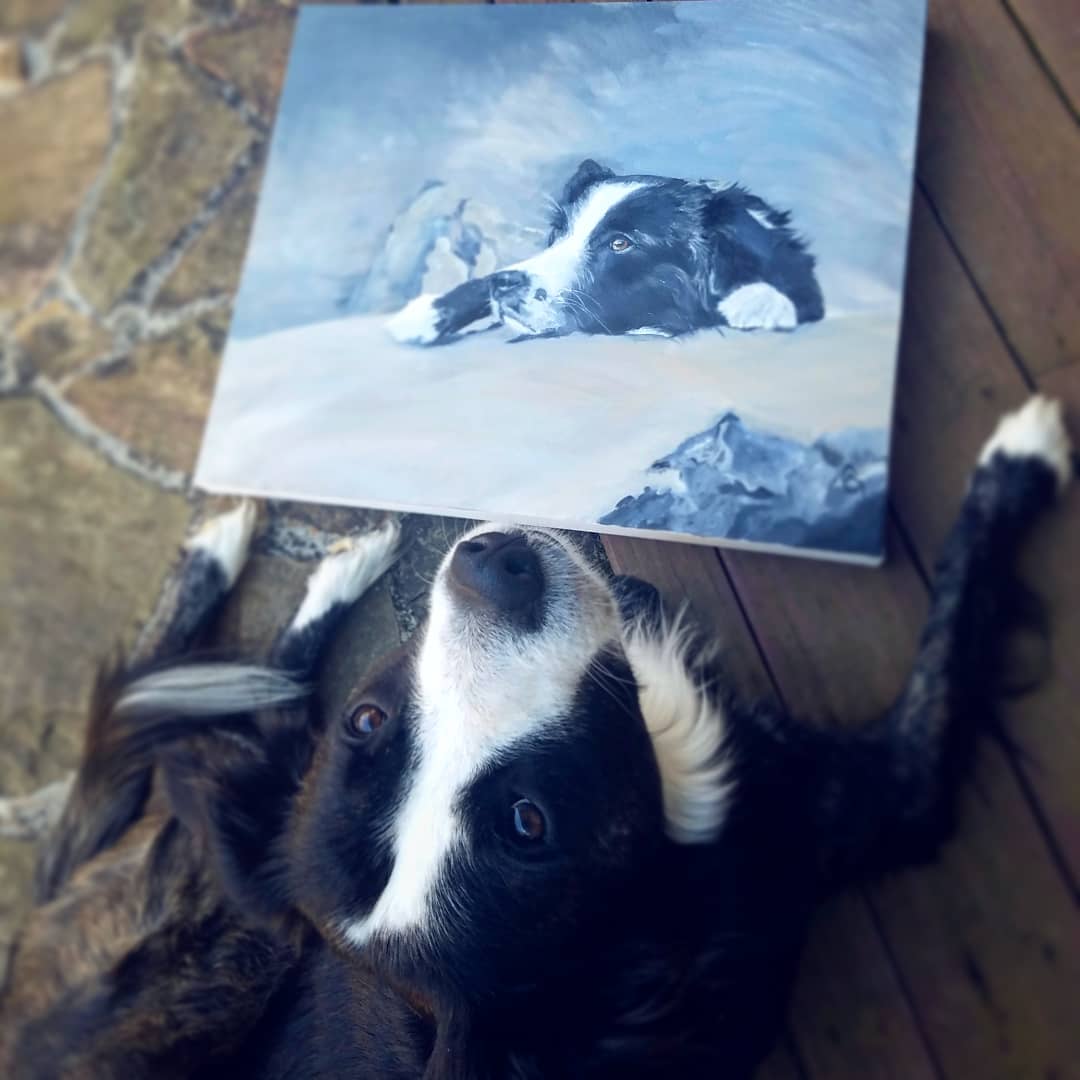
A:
<point x="687" y="729"/>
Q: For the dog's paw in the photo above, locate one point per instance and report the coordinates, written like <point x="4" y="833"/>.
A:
<point x="351" y="566"/>
<point x="1035" y="430"/>
<point x="758" y="307"/>
<point x="417" y="323"/>
<point x="226" y="539"/>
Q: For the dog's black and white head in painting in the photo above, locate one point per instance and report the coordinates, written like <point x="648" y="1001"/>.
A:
<point x="637" y="255"/>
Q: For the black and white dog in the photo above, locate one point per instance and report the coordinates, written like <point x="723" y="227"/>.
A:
<point x="637" y="255"/>
<point x="541" y="840"/>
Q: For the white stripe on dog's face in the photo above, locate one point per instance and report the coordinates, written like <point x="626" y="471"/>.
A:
<point x="558" y="268"/>
<point x="482" y="689"/>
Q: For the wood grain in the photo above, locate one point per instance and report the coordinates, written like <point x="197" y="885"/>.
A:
<point x="850" y="1018"/>
<point x="998" y="156"/>
<point x="956" y="379"/>
<point x="1053" y="27"/>
<point x="971" y="936"/>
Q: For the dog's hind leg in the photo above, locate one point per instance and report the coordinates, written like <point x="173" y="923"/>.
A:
<point x="350" y="568"/>
<point x="212" y="562"/>
<point x="110" y="789"/>
<point x="883" y="796"/>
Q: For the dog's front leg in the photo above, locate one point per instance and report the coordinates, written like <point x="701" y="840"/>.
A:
<point x="349" y="569"/>
<point x="434" y="320"/>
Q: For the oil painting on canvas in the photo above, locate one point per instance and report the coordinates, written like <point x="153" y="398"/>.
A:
<point x="626" y="267"/>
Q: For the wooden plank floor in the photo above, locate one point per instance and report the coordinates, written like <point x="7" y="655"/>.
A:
<point x="971" y="967"/>
<point x="968" y="969"/>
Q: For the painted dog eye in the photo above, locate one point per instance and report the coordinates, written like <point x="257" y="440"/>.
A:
<point x="621" y="243"/>
<point x="529" y="823"/>
<point x="365" y="720"/>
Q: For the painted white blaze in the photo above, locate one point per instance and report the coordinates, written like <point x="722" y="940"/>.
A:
<point x="558" y="268"/>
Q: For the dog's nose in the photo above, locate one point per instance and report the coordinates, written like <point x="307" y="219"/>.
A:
<point x="499" y="571"/>
<point x="506" y="282"/>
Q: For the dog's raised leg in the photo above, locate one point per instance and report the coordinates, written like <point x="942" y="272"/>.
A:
<point x="352" y="566"/>
<point x="885" y="795"/>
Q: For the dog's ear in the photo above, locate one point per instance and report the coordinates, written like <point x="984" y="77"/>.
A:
<point x="737" y="245"/>
<point x="588" y="173"/>
<point x="236" y="796"/>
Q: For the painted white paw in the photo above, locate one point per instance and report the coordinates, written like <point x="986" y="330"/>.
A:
<point x="350" y="568"/>
<point x="1036" y="429"/>
<point x="416" y="323"/>
<point x="758" y="307"/>
<point x="226" y="539"/>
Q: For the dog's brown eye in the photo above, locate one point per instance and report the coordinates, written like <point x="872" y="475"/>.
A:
<point x="529" y="822"/>
<point x="621" y="243"/>
<point x="366" y="719"/>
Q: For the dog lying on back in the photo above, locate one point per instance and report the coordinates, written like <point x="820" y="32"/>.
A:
<point x="541" y="840"/>
<point x="637" y="255"/>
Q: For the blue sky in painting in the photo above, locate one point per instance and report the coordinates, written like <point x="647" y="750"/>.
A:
<point x="811" y="103"/>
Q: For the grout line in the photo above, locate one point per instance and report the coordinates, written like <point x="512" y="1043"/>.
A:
<point x="773" y="680"/>
<point x="863" y="892"/>
<point x="143" y="288"/>
<point x="221" y="88"/>
<point x="1042" y="822"/>
<point x="908" y="543"/>
<point x="121" y="84"/>
<point x="1041" y="61"/>
<point x="984" y="300"/>
<point x="905" y="989"/>
<point x="114" y="450"/>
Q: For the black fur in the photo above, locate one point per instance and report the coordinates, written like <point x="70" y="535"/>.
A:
<point x="607" y="951"/>
<point x="692" y="245"/>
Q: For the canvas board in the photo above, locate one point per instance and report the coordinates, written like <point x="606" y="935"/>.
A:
<point x="618" y="267"/>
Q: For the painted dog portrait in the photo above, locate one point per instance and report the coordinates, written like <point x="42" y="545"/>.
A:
<point x="637" y="255"/>
<point x="544" y="838"/>
<point x="625" y="268"/>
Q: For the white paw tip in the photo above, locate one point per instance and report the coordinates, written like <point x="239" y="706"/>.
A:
<point x="351" y="566"/>
<point x="758" y="307"/>
<point x="416" y="323"/>
<point x="1036" y="429"/>
<point x="226" y="538"/>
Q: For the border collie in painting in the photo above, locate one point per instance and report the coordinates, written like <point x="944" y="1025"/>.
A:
<point x="543" y="839"/>
<point x="637" y="255"/>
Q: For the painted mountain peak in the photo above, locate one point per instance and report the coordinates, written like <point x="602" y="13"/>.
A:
<point x="735" y="481"/>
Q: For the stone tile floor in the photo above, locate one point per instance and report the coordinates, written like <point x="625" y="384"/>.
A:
<point x="134" y="136"/>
